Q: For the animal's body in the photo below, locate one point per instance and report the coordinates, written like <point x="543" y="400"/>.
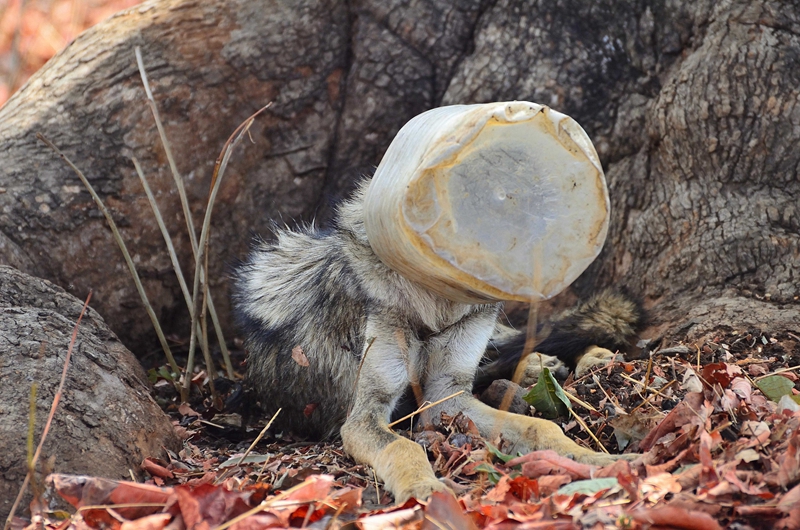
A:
<point x="368" y="333"/>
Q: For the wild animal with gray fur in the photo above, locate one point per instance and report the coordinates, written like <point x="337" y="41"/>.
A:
<point x="369" y="333"/>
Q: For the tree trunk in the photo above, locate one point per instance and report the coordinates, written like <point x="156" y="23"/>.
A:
<point x="692" y="107"/>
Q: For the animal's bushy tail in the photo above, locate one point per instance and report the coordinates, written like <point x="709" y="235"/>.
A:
<point x="609" y="319"/>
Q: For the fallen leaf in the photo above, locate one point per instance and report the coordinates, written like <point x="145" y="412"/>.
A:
<point x="155" y="469"/>
<point x="742" y="388"/>
<point x="657" y="487"/>
<point x="538" y="463"/>
<point x="299" y="356"/>
<point x="691" y="382"/>
<point x="391" y="520"/>
<point x="445" y="513"/>
<point x="156" y="521"/>
<point x="589" y="487"/>
<point x="547" y="396"/>
<point x="685" y="412"/>
<point x="775" y="386"/>
<point x="674" y="517"/>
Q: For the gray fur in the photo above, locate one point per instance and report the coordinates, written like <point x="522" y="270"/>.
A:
<point x="368" y="334"/>
<point x="317" y="290"/>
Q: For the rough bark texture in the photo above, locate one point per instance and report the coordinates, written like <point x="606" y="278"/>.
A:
<point x="106" y="423"/>
<point x="692" y="106"/>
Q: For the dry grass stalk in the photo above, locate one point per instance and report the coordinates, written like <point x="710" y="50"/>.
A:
<point x="53" y="407"/>
<point x="424" y="407"/>
<point x="588" y="431"/>
<point x="259" y="437"/>
<point x="124" y="249"/>
<point x="201" y="261"/>
<point x="187" y="214"/>
<point x="176" y="266"/>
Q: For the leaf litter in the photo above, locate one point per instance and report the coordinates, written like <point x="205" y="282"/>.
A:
<point x="725" y="454"/>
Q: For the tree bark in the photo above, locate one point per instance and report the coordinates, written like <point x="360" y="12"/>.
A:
<point x="692" y="107"/>
<point x="106" y="423"/>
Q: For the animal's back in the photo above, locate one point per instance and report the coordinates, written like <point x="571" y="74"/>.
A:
<point x="302" y="313"/>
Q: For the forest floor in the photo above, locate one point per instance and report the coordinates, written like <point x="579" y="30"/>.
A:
<point x="717" y="423"/>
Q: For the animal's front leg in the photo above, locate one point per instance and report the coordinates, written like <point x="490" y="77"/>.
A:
<point x="383" y="376"/>
<point x="453" y="357"/>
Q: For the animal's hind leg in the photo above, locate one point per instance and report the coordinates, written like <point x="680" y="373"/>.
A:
<point x="452" y="361"/>
<point x="384" y="374"/>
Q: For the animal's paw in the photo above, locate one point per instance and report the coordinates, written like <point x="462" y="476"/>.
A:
<point x="595" y="356"/>
<point x="421" y="490"/>
<point x="533" y="368"/>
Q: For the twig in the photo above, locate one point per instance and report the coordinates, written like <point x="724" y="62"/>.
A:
<point x="124" y="505"/>
<point x="610" y="398"/>
<point x="776" y="372"/>
<point x="377" y="487"/>
<point x="647" y="373"/>
<point x="655" y="393"/>
<point x="424" y="408"/>
<point x="262" y="506"/>
<point x="49" y="422"/>
<point x="698" y="357"/>
<point x="114" y="230"/>
<point x="589" y="431"/>
<point x="201" y="261"/>
<point x="370" y="341"/>
<point x="577" y="400"/>
<point x="187" y="214"/>
<point x="259" y="437"/>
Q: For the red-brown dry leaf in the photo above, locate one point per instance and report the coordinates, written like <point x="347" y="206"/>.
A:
<point x="657" y="487"/>
<point x="685" y="412"/>
<point x="299" y="356"/>
<point x="612" y="470"/>
<point x="90" y="491"/>
<point x="155" y="469"/>
<point x="550" y="484"/>
<point x="789" y="470"/>
<point x="790" y="501"/>
<point x="258" y="521"/>
<point x="748" y="489"/>
<point x="708" y="473"/>
<point x="296" y="504"/>
<point x="717" y="373"/>
<point x="675" y="517"/>
<point x="524" y="488"/>
<point x="540" y="463"/>
<point x="742" y="388"/>
<point x="314" y="488"/>
<point x="157" y="521"/>
<point x="101" y="519"/>
<point x="445" y="512"/>
<point x="348" y="500"/>
<point x="185" y="410"/>
<point x="406" y="518"/>
<point x="189" y="508"/>
<point x="211" y="504"/>
<point x="499" y="492"/>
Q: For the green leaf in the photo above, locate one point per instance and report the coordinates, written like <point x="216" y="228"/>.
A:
<point x="499" y="454"/>
<point x="489" y="469"/>
<point x="165" y="373"/>
<point x="547" y="396"/>
<point x="588" y="487"/>
<point x="775" y="387"/>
